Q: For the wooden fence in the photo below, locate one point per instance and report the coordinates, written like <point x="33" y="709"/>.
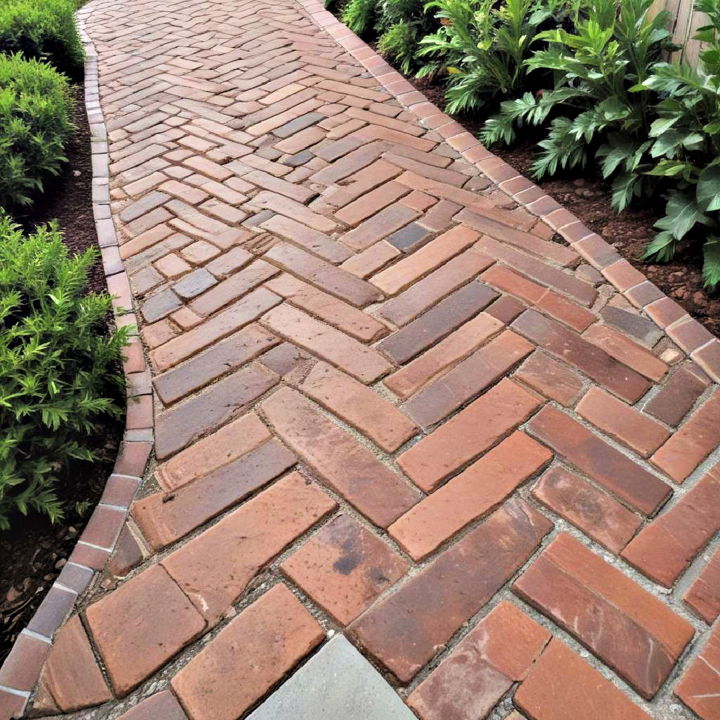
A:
<point x="687" y="21"/>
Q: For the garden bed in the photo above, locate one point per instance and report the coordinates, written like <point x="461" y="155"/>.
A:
<point x="587" y="196"/>
<point x="34" y="551"/>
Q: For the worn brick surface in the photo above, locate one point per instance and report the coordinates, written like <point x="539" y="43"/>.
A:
<point x="382" y="395"/>
<point x="344" y="568"/>
<point x="254" y="651"/>
<point x="623" y="624"/>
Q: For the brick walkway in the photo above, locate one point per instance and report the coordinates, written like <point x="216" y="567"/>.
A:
<point x="400" y="397"/>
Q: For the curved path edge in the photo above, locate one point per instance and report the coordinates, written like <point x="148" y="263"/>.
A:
<point x="21" y="669"/>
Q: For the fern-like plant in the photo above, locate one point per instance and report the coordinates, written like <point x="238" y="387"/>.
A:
<point x="591" y="108"/>
<point x="686" y="139"/>
<point x="482" y="47"/>
<point x="401" y="26"/>
<point x="60" y="376"/>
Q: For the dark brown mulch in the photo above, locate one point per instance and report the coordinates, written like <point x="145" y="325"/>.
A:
<point x="588" y="196"/>
<point x="34" y="551"/>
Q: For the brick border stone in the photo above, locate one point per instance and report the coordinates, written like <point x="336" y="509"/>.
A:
<point x="21" y="670"/>
<point x="692" y="337"/>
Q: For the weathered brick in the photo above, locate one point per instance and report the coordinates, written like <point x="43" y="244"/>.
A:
<point x="223" y="357"/>
<point x="71" y="673"/>
<point x="346" y="466"/>
<point x="232" y="288"/>
<point x="602" y="462"/>
<point x="703" y="596"/>
<point x="263" y="643"/>
<point x="475" y="492"/>
<point x="551" y="378"/>
<point x="693" y="442"/>
<point x="622" y="422"/>
<point x="165" y="517"/>
<point x="440" y="250"/>
<point x="663" y="549"/>
<point x="322" y="274"/>
<point x="589" y="695"/>
<point x="405" y="630"/>
<point x="698" y="685"/>
<point x="359" y="406"/>
<point x="587" y="507"/>
<point x="589" y="358"/>
<point x="427" y="292"/>
<point x="370" y="203"/>
<point x="139" y="626"/>
<point x="363" y="363"/>
<point x="344" y="568"/>
<point x="309" y="238"/>
<point x="676" y="398"/>
<point x="178" y="426"/>
<point x="472" y="431"/>
<point x="482" y="668"/>
<point x="160" y="705"/>
<point x="371" y="259"/>
<point x="224" y="323"/>
<point x="467" y="379"/>
<point x="341" y="315"/>
<point x="437" y="322"/>
<point x="623" y="624"/>
<point x="258" y="531"/>
<point x="626" y="351"/>
<point x="379" y="226"/>
<point x="212" y="452"/>
<point x="564" y="282"/>
<point x="445" y="354"/>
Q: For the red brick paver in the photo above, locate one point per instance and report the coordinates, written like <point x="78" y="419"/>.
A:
<point x="394" y="391"/>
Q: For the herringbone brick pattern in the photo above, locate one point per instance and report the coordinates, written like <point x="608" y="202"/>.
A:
<point x="388" y="403"/>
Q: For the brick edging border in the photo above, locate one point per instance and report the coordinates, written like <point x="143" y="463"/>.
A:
<point x="21" y="670"/>
<point x="686" y="332"/>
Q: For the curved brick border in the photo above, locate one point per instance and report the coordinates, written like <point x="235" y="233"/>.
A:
<point x="692" y="337"/>
<point x="21" y="670"/>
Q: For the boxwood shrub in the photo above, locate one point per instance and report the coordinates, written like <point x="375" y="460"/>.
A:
<point x="35" y="124"/>
<point x="60" y="373"/>
<point x="43" y="30"/>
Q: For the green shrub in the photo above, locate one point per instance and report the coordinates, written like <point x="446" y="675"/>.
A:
<point x="482" y="47"/>
<point x="402" y="26"/>
<point x="44" y="30"/>
<point x="686" y="136"/>
<point x="59" y="370"/>
<point x="398" y="25"/>
<point x="360" y="15"/>
<point x="35" y="123"/>
<point x="611" y="50"/>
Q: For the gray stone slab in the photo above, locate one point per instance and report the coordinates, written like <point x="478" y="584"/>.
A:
<point x="336" y="684"/>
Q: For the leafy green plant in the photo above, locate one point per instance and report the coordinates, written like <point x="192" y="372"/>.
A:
<point x="398" y="25"/>
<point x="35" y="124"/>
<point x="482" y="47"/>
<point x="686" y="139"/>
<point x="44" y="30"/>
<point x="59" y="370"/>
<point x="360" y="15"/>
<point x="611" y="50"/>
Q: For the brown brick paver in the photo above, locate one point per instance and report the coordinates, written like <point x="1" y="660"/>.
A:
<point x="391" y="390"/>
